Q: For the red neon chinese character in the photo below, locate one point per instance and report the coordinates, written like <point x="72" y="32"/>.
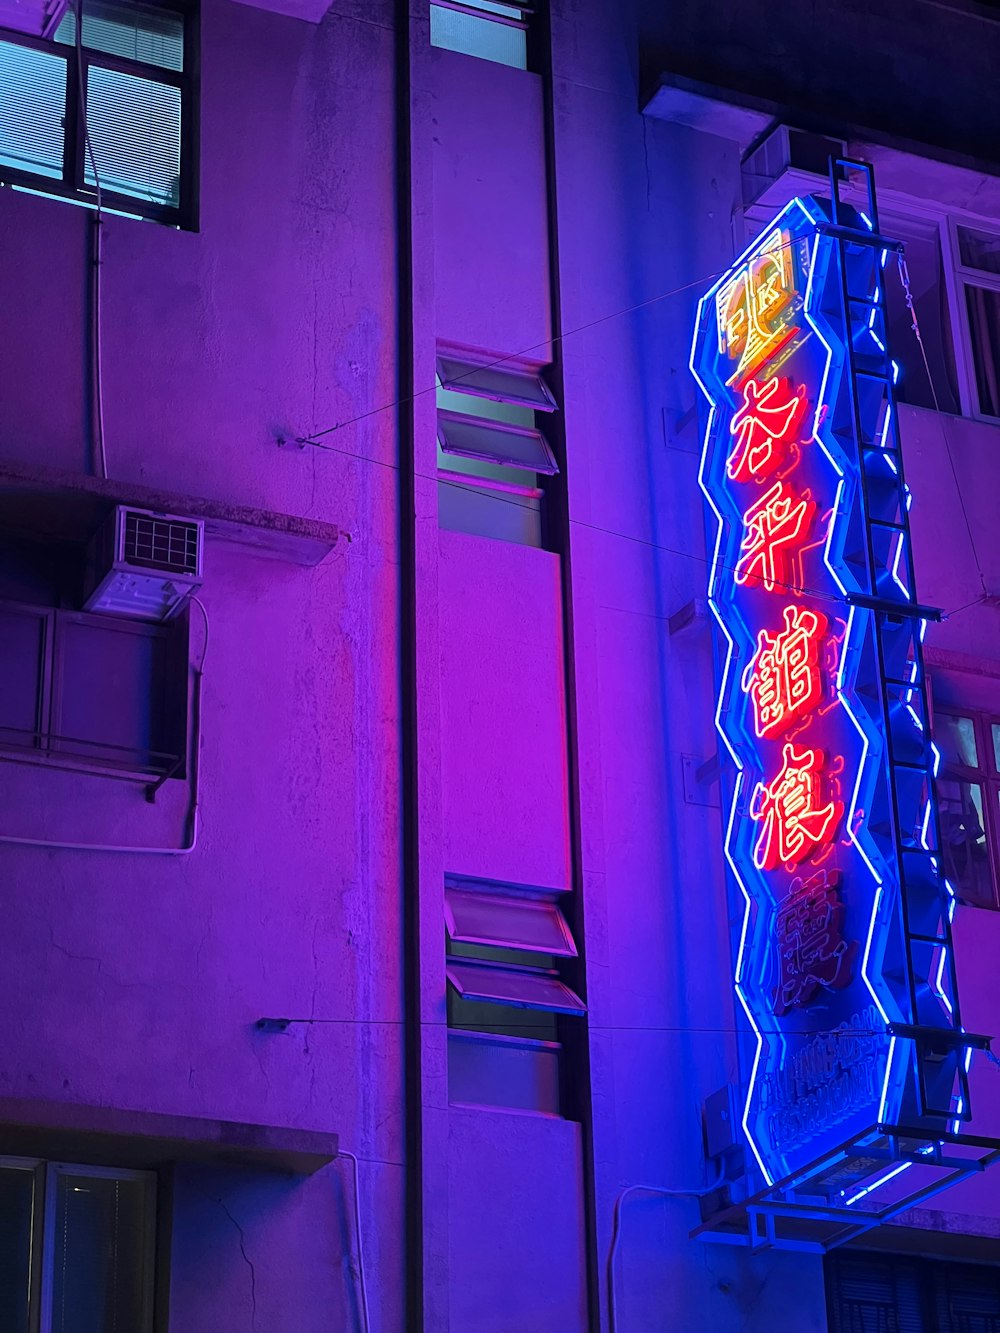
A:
<point x="783" y="678"/>
<point x="765" y="426"/>
<point x="773" y="530"/>
<point x="794" y="823"/>
<point x="809" y="934"/>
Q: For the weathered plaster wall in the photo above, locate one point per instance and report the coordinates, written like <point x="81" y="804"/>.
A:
<point x="503" y="715"/>
<point x="136" y="980"/>
<point x="491" y="269"/>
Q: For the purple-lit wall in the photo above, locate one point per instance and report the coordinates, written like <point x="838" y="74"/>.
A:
<point x="558" y="723"/>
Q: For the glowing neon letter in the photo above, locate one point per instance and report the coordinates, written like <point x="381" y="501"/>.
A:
<point x="783" y="679"/>
<point x="774" y="529"/>
<point x="794" y="823"/>
<point x="750" y="306"/>
<point x="765" y="426"/>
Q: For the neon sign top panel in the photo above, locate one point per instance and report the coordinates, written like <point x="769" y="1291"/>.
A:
<point x="800" y="702"/>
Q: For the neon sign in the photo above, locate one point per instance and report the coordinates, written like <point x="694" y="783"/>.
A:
<point x="820" y="693"/>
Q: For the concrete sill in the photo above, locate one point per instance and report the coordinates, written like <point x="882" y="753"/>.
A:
<point x="102" y="1135"/>
<point x="42" y="502"/>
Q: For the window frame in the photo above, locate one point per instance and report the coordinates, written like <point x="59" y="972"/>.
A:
<point x="73" y="186"/>
<point x="945" y="219"/>
<point x="525" y="23"/>
<point x="41" y="1278"/>
<point x="43" y="748"/>
<point x="508" y="483"/>
<point x="958" y="277"/>
<point x="986" y="777"/>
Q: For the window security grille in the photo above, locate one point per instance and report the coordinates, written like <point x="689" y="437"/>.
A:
<point x="894" y="1293"/>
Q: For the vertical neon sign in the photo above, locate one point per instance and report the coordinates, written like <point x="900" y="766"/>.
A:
<point x="830" y="820"/>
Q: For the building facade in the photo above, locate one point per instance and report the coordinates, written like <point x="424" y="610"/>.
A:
<point x="368" y="957"/>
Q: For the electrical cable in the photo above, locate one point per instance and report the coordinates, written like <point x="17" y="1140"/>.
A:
<point x="97" y="256"/>
<point x="280" y="1024"/>
<point x="362" y="1280"/>
<point x="313" y="436"/>
<point x="616" y="1228"/>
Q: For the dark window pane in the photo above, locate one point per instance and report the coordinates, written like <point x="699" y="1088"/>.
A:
<point x="100" y="1261"/>
<point x="979" y="249"/>
<point x="112" y="691"/>
<point x="963" y="839"/>
<point x="22" y="640"/>
<point x="135" y="130"/>
<point x="499" y="382"/>
<point x="31" y="110"/>
<point x="930" y="299"/>
<point x="956" y="739"/>
<point x="17" y="1188"/>
<point x="136" y="32"/>
<point x="515" y="414"/>
<point x="984" y="328"/>
<point x="484" y="513"/>
<point x="995" y="731"/>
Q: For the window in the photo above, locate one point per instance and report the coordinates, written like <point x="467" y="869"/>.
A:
<point x="492" y="456"/>
<point x="895" y="1293"/>
<point x="507" y="947"/>
<point x="483" y="28"/>
<point x="92" y="691"/>
<point x="976" y="258"/>
<point x="925" y="266"/>
<point x="78" y="1248"/>
<point x="968" y="789"/>
<point x="137" y="88"/>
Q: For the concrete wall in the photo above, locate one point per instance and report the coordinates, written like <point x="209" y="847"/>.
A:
<point x="133" y="980"/>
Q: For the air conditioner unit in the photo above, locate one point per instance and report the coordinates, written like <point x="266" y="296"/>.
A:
<point x="39" y="18"/>
<point x="802" y="159"/>
<point x="143" y="564"/>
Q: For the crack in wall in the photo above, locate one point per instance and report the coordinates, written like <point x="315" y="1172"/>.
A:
<point x="247" y="1260"/>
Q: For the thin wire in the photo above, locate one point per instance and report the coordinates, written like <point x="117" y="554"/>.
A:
<point x="904" y="277"/>
<point x="976" y="601"/>
<point x="576" y="522"/>
<point x="595" y="1027"/>
<point x="313" y="436"/>
<point x="362" y="1282"/>
<point x="98" y="255"/>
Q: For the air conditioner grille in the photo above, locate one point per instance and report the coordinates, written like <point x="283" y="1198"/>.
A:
<point x="161" y="543"/>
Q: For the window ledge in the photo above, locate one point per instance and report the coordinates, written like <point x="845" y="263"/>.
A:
<point x="73" y="1131"/>
<point x="41" y="501"/>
